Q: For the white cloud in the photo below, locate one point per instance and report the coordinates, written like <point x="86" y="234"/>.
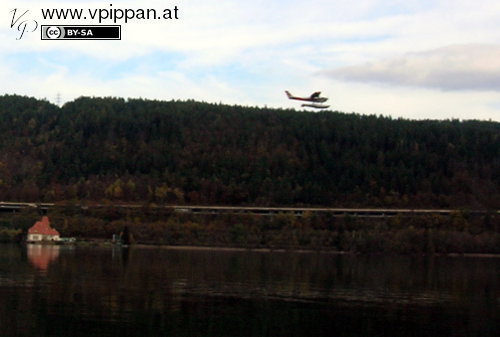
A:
<point x="458" y="67"/>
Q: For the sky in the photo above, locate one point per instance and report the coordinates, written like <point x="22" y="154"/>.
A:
<point x="414" y="59"/>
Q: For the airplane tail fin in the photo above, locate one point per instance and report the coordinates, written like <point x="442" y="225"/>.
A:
<point x="288" y="94"/>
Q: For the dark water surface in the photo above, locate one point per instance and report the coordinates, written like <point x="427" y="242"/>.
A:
<point x="144" y="291"/>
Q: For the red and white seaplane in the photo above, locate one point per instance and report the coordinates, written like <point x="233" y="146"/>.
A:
<point x="315" y="100"/>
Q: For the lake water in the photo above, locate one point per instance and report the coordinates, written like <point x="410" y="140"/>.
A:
<point x="147" y="291"/>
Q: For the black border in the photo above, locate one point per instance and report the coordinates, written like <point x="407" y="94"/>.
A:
<point x="87" y="39"/>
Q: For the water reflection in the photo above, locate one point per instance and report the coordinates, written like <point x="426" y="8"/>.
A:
<point x="151" y="292"/>
<point x="41" y="255"/>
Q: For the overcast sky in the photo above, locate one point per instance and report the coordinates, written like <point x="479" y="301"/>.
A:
<point x="415" y="59"/>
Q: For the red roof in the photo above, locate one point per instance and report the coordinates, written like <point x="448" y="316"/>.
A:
<point x="43" y="228"/>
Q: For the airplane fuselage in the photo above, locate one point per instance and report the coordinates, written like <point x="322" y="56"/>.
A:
<point x="308" y="99"/>
<point x="315" y="98"/>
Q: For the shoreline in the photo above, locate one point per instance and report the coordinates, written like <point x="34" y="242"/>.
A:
<point x="307" y="251"/>
<point x="100" y="243"/>
<point x="105" y="243"/>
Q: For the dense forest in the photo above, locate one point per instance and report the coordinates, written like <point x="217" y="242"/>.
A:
<point x="110" y="149"/>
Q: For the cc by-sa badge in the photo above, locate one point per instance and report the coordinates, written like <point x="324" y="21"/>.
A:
<point x="52" y="32"/>
<point x="76" y="32"/>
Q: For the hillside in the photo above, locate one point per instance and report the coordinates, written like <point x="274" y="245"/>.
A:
<point x="199" y="153"/>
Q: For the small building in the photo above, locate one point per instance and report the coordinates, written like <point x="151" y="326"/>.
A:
<point x="42" y="232"/>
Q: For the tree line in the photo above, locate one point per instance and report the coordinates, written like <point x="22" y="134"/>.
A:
<point x="98" y="149"/>
<point x="421" y="234"/>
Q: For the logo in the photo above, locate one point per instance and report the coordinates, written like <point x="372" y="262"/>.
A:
<point x="22" y="26"/>
<point x="73" y="32"/>
<point x="53" y="32"/>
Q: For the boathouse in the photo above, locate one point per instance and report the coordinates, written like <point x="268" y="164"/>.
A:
<point x="41" y="231"/>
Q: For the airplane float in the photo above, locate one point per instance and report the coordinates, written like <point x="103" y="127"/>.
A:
<point x="315" y="100"/>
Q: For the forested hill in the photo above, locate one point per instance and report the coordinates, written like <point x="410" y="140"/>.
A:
<point x="199" y="153"/>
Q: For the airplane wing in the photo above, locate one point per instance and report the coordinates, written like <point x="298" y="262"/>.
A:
<point x="316" y="94"/>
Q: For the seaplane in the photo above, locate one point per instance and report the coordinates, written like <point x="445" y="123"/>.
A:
<point x="315" y="100"/>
